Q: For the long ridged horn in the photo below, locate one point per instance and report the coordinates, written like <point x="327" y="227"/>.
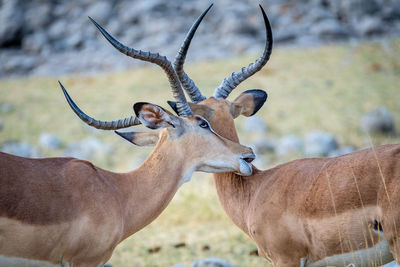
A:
<point x="236" y="78"/>
<point x="162" y="61"/>
<point x="187" y="83"/>
<point x="104" y="125"/>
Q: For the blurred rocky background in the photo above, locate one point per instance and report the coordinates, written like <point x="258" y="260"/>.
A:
<point x="53" y="37"/>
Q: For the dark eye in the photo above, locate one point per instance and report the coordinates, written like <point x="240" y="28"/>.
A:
<point x="204" y="124"/>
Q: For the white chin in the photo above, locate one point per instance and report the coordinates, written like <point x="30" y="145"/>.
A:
<point x="245" y="168"/>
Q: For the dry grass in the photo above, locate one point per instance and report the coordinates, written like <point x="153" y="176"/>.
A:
<point x="327" y="88"/>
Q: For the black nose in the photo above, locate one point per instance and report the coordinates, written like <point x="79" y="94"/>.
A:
<point x="249" y="158"/>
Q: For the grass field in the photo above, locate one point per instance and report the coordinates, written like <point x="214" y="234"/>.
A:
<point x="328" y="88"/>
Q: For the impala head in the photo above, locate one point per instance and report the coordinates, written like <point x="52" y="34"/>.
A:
<point x="189" y="136"/>
<point x="217" y="109"/>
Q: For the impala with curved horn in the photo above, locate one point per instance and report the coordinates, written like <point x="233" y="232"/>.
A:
<point x="68" y="210"/>
<point x="310" y="212"/>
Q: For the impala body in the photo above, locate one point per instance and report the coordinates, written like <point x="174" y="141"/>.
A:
<point x="66" y="210"/>
<point x="326" y="211"/>
<point x="310" y="212"/>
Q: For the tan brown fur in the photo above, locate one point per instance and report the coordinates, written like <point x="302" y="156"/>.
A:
<point x="68" y="209"/>
<point x="311" y="207"/>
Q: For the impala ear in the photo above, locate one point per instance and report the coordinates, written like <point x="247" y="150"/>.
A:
<point x="248" y="103"/>
<point x="155" y="117"/>
<point x="140" y="138"/>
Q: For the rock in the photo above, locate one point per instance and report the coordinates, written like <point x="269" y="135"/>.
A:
<point x="317" y="14"/>
<point x="255" y="124"/>
<point x="58" y="29"/>
<point x="179" y="265"/>
<point x="23" y="149"/>
<point x="211" y="262"/>
<point x="284" y="35"/>
<point x="100" y="11"/>
<point x="38" y="17"/>
<point x="261" y="162"/>
<point x="11" y="22"/>
<point x="74" y="40"/>
<point x="34" y="43"/>
<point x="264" y="145"/>
<point x="319" y="144"/>
<point x="49" y="141"/>
<point x="1" y="125"/>
<point x="20" y="64"/>
<point x="391" y="264"/>
<point x="289" y="144"/>
<point x="107" y="265"/>
<point x="329" y="29"/>
<point x="368" y="26"/>
<point x="88" y="149"/>
<point x="6" y="108"/>
<point x="341" y="151"/>
<point x="378" y="121"/>
<point x="53" y="32"/>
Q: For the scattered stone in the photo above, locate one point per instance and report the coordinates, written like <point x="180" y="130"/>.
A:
<point x="319" y="144"/>
<point x="11" y="22"/>
<point x="19" y="64"/>
<point x="254" y="252"/>
<point x="264" y="145"/>
<point x="6" y="108"/>
<point x="342" y="151"/>
<point x="34" y="43"/>
<point x="100" y="11"/>
<point x="180" y="245"/>
<point x="329" y="29"/>
<point x="255" y="124"/>
<point x="369" y="25"/>
<point x="49" y="141"/>
<point x="378" y="121"/>
<point x="288" y="145"/>
<point x="391" y="264"/>
<point x="154" y="250"/>
<point x="38" y="17"/>
<point x="205" y="248"/>
<point x="23" y="149"/>
<point x="211" y="262"/>
<point x="88" y="149"/>
<point x="261" y="162"/>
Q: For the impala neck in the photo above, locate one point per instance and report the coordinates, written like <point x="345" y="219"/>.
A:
<point x="148" y="189"/>
<point x="234" y="191"/>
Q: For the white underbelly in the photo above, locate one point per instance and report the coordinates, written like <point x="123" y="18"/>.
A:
<point x="377" y="255"/>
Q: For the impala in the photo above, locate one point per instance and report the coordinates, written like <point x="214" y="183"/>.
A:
<point x="309" y="212"/>
<point x="68" y="210"/>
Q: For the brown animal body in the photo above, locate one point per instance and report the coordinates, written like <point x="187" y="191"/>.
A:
<point x="309" y="212"/>
<point x="68" y="210"/>
<point x="65" y="209"/>
<point x="315" y="208"/>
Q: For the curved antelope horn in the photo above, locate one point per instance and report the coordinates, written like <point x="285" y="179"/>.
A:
<point x="162" y="61"/>
<point x="187" y="83"/>
<point x="236" y="78"/>
<point x="104" y="125"/>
